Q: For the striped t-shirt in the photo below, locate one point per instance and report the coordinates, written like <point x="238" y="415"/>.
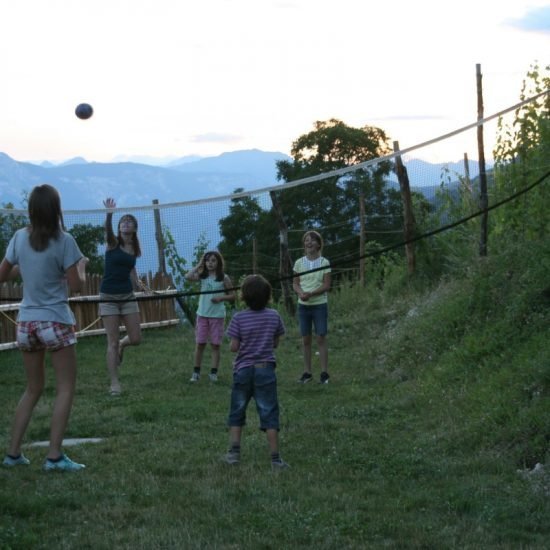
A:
<point x="256" y="331"/>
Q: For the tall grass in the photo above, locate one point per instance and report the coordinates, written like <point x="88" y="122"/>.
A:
<point x="438" y="395"/>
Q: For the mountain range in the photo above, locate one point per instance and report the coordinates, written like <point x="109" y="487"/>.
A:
<point x="84" y="185"/>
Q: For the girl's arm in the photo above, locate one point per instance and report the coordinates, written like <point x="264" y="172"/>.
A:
<point x="298" y="289"/>
<point x="229" y="296"/>
<point x="76" y="275"/>
<point x="137" y="284"/>
<point x="234" y="345"/>
<point x="109" y="234"/>
<point x="325" y="286"/>
<point x="8" y="271"/>
<point x="305" y="296"/>
<point x="193" y="273"/>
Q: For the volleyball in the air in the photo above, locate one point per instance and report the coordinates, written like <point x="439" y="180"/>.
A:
<point x="84" y="111"/>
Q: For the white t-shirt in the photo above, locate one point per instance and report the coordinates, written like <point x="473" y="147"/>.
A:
<point x="45" y="291"/>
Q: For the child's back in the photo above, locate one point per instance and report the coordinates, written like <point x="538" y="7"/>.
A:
<point x="255" y="334"/>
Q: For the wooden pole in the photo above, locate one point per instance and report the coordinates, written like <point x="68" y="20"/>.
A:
<point x="362" y="239"/>
<point x="467" y="180"/>
<point x="285" y="262"/>
<point x="483" y="200"/>
<point x="254" y="256"/>
<point x="160" y="239"/>
<point x="409" y="223"/>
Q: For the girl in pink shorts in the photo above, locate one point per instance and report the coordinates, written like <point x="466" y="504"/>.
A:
<point x="216" y="288"/>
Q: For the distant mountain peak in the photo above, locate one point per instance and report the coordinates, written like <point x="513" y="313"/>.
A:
<point x="75" y="160"/>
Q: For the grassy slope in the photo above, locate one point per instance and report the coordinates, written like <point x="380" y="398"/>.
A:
<point x="436" y="399"/>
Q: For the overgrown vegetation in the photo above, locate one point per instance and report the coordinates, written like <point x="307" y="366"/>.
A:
<point x="438" y="397"/>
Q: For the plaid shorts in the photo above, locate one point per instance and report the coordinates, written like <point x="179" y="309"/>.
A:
<point x="40" y="335"/>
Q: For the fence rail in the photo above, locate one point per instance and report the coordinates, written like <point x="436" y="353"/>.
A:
<point x="154" y="312"/>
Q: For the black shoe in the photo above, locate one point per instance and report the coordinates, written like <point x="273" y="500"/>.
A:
<point x="306" y="377"/>
<point x="324" y="378"/>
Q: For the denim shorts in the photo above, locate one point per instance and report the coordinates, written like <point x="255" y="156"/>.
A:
<point x="316" y="315"/>
<point x="44" y="335"/>
<point x="261" y="384"/>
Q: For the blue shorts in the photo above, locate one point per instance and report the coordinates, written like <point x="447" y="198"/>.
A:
<point x="260" y="383"/>
<point x="313" y="315"/>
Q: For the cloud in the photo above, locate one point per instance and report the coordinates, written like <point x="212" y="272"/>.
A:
<point x="534" y="20"/>
<point x="214" y="137"/>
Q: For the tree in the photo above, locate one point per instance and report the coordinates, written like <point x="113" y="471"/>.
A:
<point x="332" y="205"/>
<point x="9" y="224"/>
<point x="89" y="237"/>
<point x="178" y="269"/>
<point x="248" y="221"/>
<point x="521" y="157"/>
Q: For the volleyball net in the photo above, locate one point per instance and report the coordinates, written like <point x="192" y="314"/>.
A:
<point x="357" y="209"/>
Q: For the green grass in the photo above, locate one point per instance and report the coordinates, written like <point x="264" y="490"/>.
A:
<point x="437" y="397"/>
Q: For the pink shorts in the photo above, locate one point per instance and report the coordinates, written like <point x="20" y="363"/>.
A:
<point x="206" y="327"/>
<point x="40" y="335"/>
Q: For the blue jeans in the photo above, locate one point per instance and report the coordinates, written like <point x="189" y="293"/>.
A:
<point x="260" y="383"/>
<point x="316" y="315"/>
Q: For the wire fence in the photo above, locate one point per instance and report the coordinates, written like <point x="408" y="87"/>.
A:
<point x="361" y="217"/>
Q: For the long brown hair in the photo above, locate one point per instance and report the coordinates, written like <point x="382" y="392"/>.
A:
<point x="45" y="216"/>
<point x="220" y="269"/>
<point x="113" y="240"/>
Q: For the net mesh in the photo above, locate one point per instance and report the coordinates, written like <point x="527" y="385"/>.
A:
<point x="244" y="228"/>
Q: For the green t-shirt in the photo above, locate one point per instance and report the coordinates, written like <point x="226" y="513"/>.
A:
<point x="207" y="308"/>
<point x="312" y="281"/>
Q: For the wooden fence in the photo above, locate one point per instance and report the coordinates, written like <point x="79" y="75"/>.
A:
<point x="155" y="312"/>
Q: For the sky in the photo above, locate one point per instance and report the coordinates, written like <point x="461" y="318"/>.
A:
<point x="172" y="78"/>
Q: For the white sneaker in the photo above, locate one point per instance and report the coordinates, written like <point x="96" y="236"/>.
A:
<point x="63" y="465"/>
<point x="213" y="377"/>
<point x="195" y="377"/>
<point x="232" y="458"/>
<point x="279" y="465"/>
<point x="21" y="460"/>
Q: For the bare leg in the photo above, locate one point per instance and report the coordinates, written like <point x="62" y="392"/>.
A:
<point x="273" y="440"/>
<point x="64" y="365"/>
<point x="215" y="356"/>
<point x="132" y="322"/>
<point x="235" y="433"/>
<point x="34" y="369"/>
<point x="111" y="324"/>
<point x="306" y="342"/>
<point x="199" y="351"/>
<point x="322" y="344"/>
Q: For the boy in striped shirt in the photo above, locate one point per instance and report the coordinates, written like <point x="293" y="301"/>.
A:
<point x="255" y="333"/>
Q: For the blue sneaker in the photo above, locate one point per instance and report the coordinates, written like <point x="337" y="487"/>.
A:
<point x="63" y="465"/>
<point x="21" y="460"/>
